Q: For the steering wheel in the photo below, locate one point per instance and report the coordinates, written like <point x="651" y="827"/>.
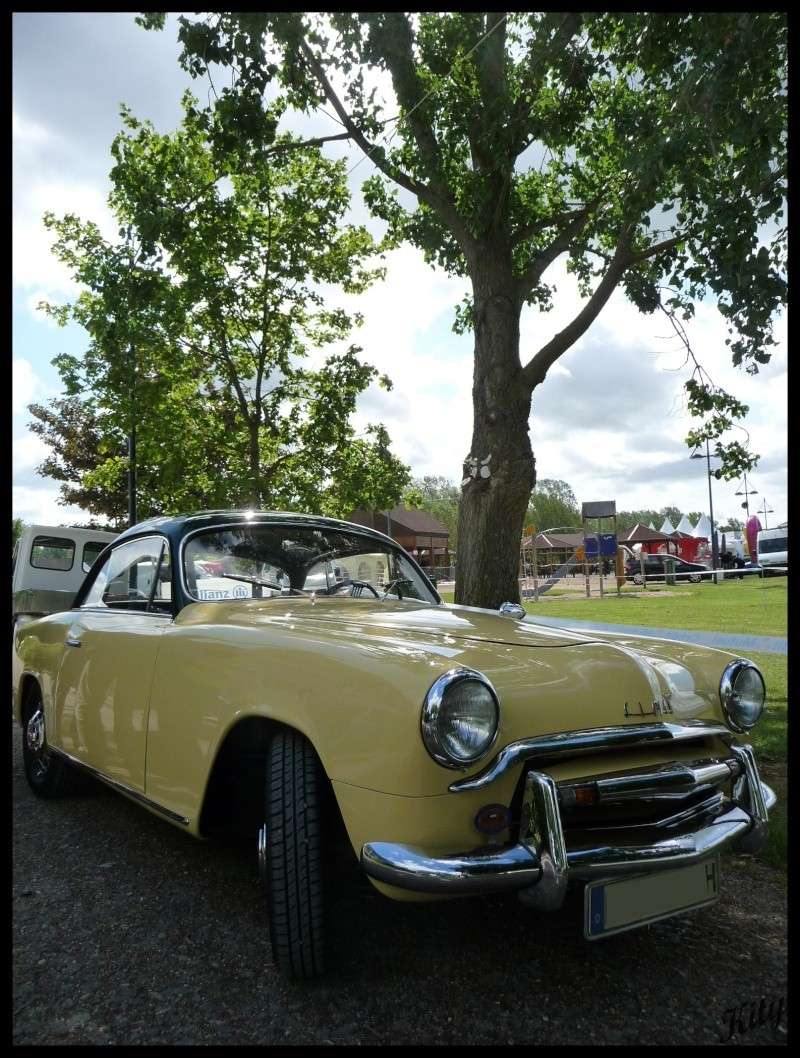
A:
<point x="356" y="584"/>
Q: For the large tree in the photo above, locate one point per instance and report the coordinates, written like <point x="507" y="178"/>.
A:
<point x="647" y="150"/>
<point x="201" y="324"/>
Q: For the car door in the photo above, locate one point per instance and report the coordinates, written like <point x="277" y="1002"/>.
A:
<point x="103" y="686"/>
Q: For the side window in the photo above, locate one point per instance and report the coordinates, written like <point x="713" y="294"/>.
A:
<point x="130" y="576"/>
<point x="52" y="552"/>
<point x="90" y="552"/>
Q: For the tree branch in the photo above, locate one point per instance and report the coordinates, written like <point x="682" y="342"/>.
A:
<point x="536" y="369"/>
<point x="570" y="25"/>
<point x="572" y="224"/>
<point x="554" y="220"/>
<point x="423" y="192"/>
<point x="317" y="142"/>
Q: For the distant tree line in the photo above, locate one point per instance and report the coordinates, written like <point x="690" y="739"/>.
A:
<point x="552" y="506"/>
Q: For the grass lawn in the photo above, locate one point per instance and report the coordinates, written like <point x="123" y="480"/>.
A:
<point x="757" y="607"/>
<point x="768" y="739"/>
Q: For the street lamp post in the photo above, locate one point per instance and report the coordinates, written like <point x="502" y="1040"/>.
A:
<point x="765" y="511"/>
<point x="132" y="512"/>
<point x="746" y="492"/>
<point x="707" y="457"/>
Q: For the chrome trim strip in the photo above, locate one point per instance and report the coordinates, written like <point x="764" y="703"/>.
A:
<point x="600" y="861"/>
<point x="770" y="797"/>
<point x="488" y="870"/>
<point x="663" y="783"/>
<point x="591" y="740"/>
<point x="751" y="791"/>
<point x="121" y="787"/>
<point x="541" y="832"/>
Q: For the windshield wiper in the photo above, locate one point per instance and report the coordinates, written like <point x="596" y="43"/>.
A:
<point x="259" y="583"/>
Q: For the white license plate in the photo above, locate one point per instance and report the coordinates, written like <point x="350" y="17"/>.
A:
<point x="625" y="903"/>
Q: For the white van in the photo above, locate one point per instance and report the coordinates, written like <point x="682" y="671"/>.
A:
<point x="773" y="548"/>
<point x="48" y="566"/>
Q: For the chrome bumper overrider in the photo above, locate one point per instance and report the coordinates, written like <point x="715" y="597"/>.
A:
<point x="541" y="864"/>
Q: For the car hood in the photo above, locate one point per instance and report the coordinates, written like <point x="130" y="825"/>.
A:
<point x="375" y="617"/>
<point x="606" y="668"/>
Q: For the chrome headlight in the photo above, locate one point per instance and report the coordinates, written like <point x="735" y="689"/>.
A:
<point x="742" y="693"/>
<point x="460" y="718"/>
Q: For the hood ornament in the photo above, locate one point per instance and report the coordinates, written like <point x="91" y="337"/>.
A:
<point x="512" y="609"/>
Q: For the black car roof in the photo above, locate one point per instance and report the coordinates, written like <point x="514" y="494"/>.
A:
<point x="175" y="527"/>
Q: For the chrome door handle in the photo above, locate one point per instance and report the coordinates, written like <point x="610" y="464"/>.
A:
<point x="71" y="641"/>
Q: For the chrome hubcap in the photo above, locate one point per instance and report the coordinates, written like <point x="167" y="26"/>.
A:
<point x="262" y="853"/>
<point x="35" y="732"/>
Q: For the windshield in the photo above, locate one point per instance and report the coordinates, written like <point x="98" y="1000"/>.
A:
<point x="260" y="561"/>
<point x="771" y="547"/>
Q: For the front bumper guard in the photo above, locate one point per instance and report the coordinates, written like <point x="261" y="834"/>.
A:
<point x="540" y="864"/>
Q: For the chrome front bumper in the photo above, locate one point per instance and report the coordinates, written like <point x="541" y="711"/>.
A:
<point x="540" y="865"/>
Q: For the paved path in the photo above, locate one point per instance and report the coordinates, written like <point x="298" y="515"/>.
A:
<point x="721" y="640"/>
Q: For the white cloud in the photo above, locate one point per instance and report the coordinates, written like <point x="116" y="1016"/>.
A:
<point x="38" y="505"/>
<point x="28" y="452"/>
<point x="33" y="264"/>
<point x="25" y="385"/>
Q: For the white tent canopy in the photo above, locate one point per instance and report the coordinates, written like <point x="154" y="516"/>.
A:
<point x="684" y="526"/>
<point x="703" y="528"/>
<point x="667" y="527"/>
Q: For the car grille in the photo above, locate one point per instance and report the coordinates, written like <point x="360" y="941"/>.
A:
<point x="666" y="796"/>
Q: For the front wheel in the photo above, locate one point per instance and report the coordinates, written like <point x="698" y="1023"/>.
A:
<point x="290" y="856"/>
<point x="48" y="774"/>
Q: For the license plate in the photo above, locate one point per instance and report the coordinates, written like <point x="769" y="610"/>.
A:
<point x="625" y="903"/>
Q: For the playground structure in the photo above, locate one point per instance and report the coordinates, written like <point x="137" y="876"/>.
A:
<point x="547" y="557"/>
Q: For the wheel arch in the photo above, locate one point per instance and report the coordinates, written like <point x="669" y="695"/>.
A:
<point x="234" y="792"/>
<point x="27" y="682"/>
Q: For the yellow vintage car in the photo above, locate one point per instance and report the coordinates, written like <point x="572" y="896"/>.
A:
<point x="299" y="678"/>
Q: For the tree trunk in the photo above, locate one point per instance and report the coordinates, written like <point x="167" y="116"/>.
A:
<point x="500" y="472"/>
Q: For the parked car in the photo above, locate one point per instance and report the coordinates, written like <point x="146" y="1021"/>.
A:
<point x="49" y="564"/>
<point x="454" y="750"/>
<point x="655" y="571"/>
<point x="773" y="550"/>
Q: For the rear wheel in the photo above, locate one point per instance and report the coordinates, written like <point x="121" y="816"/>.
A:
<point x="48" y="774"/>
<point x="694" y="578"/>
<point x="290" y="856"/>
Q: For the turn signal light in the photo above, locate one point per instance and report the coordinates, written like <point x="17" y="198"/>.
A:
<point x="491" y="819"/>
<point x="586" y="795"/>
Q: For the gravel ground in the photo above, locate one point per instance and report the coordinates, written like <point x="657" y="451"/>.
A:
<point x="127" y="931"/>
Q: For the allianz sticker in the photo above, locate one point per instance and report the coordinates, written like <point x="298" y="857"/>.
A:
<point x="239" y="592"/>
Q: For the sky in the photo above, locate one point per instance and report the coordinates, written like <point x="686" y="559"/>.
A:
<point x="610" y="418"/>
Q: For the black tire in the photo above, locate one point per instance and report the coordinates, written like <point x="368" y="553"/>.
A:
<point x="695" y="578"/>
<point x="48" y="774"/>
<point x="293" y="863"/>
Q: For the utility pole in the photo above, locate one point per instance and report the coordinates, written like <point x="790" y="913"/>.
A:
<point x="765" y="511"/>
